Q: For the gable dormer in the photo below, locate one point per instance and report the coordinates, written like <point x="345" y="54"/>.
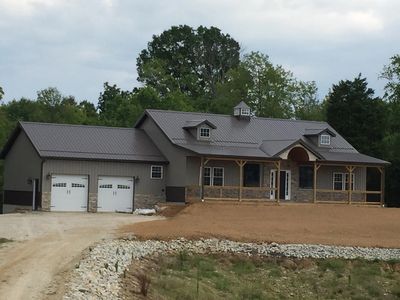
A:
<point x="242" y="111"/>
<point x="321" y="137"/>
<point x="200" y="129"/>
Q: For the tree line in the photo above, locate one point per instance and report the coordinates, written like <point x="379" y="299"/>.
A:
<point x="203" y="69"/>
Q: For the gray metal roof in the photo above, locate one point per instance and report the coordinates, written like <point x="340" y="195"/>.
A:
<point x="256" y="138"/>
<point x="242" y="104"/>
<point x="317" y="131"/>
<point x="196" y="123"/>
<point x="90" y="142"/>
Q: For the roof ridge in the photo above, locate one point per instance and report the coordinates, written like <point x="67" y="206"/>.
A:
<point x="77" y="125"/>
<point x="230" y="116"/>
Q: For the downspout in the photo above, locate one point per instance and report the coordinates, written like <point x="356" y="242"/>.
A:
<point x="40" y="185"/>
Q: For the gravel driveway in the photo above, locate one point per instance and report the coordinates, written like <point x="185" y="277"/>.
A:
<point x="46" y="246"/>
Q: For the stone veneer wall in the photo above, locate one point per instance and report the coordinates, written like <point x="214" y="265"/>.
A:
<point x="92" y="202"/>
<point x="141" y="201"/>
<point x="46" y="200"/>
<point x="147" y="201"/>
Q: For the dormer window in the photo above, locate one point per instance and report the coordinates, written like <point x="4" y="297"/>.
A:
<point x="204" y="133"/>
<point x="325" y="139"/>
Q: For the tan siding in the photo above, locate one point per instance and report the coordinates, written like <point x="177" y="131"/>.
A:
<point x="145" y="185"/>
<point x="22" y="162"/>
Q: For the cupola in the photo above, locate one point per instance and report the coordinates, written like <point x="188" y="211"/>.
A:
<point x="242" y="110"/>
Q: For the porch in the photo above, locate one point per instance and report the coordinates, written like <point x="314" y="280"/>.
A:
<point x="297" y="178"/>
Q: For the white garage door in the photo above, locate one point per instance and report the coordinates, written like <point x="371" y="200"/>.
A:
<point x="115" y="194"/>
<point x="69" y="193"/>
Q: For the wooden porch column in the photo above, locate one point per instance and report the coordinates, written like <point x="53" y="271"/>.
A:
<point x="201" y="179"/>
<point x="350" y="169"/>
<point x="382" y="171"/>
<point x="241" y="164"/>
<point x="278" y="181"/>
<point x="316" y="167"/>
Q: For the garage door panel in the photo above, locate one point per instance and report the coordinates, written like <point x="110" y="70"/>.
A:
<point x="69" y="193"/>
<point x="115" y="194"/>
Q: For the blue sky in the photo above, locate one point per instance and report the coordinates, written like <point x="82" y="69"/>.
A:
<point x="76" y="45"/>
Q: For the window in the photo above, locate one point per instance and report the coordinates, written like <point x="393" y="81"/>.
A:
<point x="207" y="176"/>
<point x="245" y="111"/>
<point x="60" y="184"/>
<point x="306" y="177"/>
<point x="105" y="186"/>
<point x="213" y="176"/>
<point x="204" y="133"/>
<point x="77" y="185"/>
<point x="218" y="176"/>
<point x="341" y="181"/>
<point x="123" y="187"/>
<point x="156" y="172"/>
<point x="325" y="139"/>
<point x="251" y="175"/>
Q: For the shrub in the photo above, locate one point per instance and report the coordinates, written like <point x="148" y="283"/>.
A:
<point x="144" y="283"/>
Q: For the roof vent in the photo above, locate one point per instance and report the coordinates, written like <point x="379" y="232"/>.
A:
<point x="242" y="110"/>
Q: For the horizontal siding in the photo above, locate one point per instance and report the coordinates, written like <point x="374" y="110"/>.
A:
<point x="94" y="169"/>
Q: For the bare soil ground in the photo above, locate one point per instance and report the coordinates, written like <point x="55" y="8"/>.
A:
<point x="290" y="223"/>
<point x="46" y="247"/>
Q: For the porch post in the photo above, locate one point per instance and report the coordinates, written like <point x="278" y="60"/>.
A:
<point x="201" y="179"/>
<point x="382" y="170"/>
<point x="240" y="163"/>
<point x="350" y="169"/>
<point x="278" y="182"/>
<point x="316" y="167"/>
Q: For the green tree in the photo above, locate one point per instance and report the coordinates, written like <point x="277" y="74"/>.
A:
<point x="391" y="144"/>
<point x="391" y="73"/>
<point x="117" y="107"/>
<point x="191" y="61"/>
<point x="233" y="90"/>
<point x="274" y="91"/>
<point x="354" y="111"/>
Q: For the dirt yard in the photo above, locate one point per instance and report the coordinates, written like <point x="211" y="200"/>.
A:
<point x="45" y="248"/>
<point x="290" y="223"/>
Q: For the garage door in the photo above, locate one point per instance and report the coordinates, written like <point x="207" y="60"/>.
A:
<point x="69" y="193"/>
<point x="115" y="194"/>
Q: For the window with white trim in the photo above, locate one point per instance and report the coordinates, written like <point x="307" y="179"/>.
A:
<point x="245" y="111"/>
<point x="341" y="181"/>
<point x="204" y="132"/>
<point x="156" y="172"/>
<point x="213" y="176"/>
<point x="325" y="139"/>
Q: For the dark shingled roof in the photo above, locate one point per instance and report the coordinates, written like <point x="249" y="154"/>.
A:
<point x="88" y="142"/>
<point x="254" y="138"/>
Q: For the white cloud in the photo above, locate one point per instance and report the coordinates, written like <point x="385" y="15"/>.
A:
<point x="48" y="42"/>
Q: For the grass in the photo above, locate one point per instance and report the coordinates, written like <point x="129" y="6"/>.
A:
<point x="187" y="276"/>
<point x="4" y="240"/>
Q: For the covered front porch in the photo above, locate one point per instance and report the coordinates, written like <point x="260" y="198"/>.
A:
<point x="296" y="176"/>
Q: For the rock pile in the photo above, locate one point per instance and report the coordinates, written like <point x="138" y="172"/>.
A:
<point x="97" y="276"/>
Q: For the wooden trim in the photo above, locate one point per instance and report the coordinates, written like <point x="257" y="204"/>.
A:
<point x="278" y="182"/>
<point x="236" y="159"/>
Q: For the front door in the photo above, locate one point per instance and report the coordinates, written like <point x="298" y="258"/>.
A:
<point x="284" y="184"/>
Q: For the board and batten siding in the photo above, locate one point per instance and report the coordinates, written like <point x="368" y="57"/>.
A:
<point x="21" y="163"/>
<point x="145" y="185"/>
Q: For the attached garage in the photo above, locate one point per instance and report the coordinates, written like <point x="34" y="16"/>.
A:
<point x="81" y="168"/>
<point x="115" y="194"/>
<point x="69" y="193"/>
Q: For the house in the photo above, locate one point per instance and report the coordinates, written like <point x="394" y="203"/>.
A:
<point x="182" y="157"/>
